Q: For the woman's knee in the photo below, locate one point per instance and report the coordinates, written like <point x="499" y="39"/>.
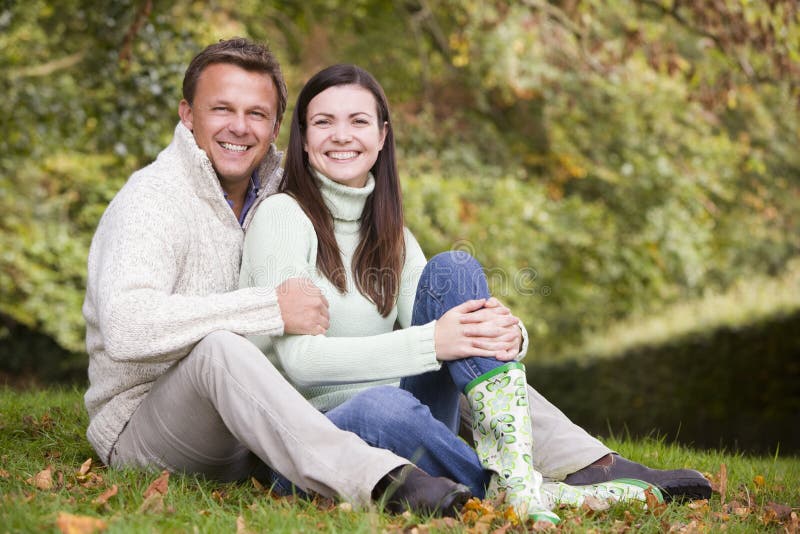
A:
<point x="455" y="272"/>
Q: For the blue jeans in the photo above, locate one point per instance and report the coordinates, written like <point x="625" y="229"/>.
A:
<point x="419" y="420"/>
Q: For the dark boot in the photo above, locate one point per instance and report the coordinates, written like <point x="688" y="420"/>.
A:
<point x="675" y="484"/>
<point x="410" y="488"/>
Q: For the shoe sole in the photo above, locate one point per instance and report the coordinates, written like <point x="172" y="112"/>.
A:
<point x="453" y="503"/>
<point x="685" y="492"/>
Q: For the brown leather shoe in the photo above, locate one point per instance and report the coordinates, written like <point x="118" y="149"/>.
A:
<point x="675" y="484"/>
<point x="410" y="488"/>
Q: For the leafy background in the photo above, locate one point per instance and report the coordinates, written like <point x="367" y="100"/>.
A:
<point x="609" y="161"/>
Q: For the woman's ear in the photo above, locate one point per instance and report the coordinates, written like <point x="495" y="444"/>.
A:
<point x="384" y="131"/>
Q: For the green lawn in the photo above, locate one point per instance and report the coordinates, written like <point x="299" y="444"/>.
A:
<point x="42" y="450"/>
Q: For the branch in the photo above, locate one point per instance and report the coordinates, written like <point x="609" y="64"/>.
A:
<point x="141" y="15"/>
<point x="46" y="69"/>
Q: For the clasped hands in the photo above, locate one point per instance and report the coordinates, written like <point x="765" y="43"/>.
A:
<point x="482" y="327"/>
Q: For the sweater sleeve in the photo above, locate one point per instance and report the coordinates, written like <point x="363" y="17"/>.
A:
<point x="281" y="243"/>
<point x="135" y="262"/>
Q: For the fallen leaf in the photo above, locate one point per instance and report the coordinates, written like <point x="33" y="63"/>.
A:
<point x="153" y="503"/>
<point x="653" y="505"/>
<point x="701" y="504"/>
<point x="79" y="524"/>
<point x="105" y="496"/>
<point x="85" y="467"/>
<point x="43" y="479"/>
<point x="345" y="507"/>
<point x="444" y="523"/>
<point x="4" y="473"/>
<point x="258" y="485"/>
<point x="759" y="481"/>
<point x="593" y="504"/>
<point x="781" y="511"/>
<point x="158" y="486"/>
<point x="540" y="526"/>
<point x="241" y="526"/>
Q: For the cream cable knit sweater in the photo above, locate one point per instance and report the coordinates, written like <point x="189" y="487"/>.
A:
<point x="163" y="273"/>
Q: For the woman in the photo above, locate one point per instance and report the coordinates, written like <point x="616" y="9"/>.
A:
<point x="340" y="222"/>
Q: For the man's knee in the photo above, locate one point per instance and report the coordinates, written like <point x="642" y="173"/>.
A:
<point x="225" y="349"/>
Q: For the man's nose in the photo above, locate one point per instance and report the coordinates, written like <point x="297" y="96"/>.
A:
<point x="238" y="124"/>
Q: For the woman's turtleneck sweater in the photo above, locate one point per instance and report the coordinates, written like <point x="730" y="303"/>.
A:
<point x="361" y="348"/>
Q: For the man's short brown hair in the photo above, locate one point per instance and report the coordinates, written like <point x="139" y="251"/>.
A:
<point x="244" y="53"/>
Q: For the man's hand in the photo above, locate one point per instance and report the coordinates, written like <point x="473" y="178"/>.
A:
<point x="304" y="309"/>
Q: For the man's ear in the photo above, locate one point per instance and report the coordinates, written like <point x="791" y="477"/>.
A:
<point x="276" y="130"/>
<point x="185" y="113"/>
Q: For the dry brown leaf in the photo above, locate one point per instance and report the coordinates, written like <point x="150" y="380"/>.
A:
<point x="105" y="496"/>
<point x="154" y="503"/>
<point x="443" y="523"/>
<point x="503" y="529"/>
<point x="593" y="504"/>
<point x="700" y="504"/>
<point x="79" y="524"/>
<point x="258" y="485"/>
<point x="158" y="486"/>
<point x="85" y="467"/>
<point x="241" y="526"/>
<point x="4" y="473"/>
<point x="653" y="505"/>
<point x="43" y="479"/>
<point x="782" y="512"/>
<point x="540" y="526"/>
<point x="794" y="524"/>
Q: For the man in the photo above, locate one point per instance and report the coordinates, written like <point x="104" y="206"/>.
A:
<point x="173" y="384"/>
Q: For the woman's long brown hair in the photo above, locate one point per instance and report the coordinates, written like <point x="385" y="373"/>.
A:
<point x="379" y="257"/>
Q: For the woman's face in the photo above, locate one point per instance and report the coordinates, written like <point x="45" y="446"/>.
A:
<point x="344" y="134"/>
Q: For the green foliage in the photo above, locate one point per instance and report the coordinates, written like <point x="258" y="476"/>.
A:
<point x="733" y="387"/>
<point x="603" y="158"/>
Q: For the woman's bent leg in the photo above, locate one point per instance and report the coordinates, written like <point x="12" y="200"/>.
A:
<point x="390" y="418"/>
<point x="496" y="390"/>
<point x="449" y="279"/>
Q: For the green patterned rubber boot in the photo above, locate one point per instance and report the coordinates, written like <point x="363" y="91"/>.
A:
<point x="502" y="430"/>
<point x="621" y="489"/>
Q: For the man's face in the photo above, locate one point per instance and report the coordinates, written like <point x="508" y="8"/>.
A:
<point x="233" y="120"/>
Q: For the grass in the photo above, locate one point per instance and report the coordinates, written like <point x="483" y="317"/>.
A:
<point x="40" y="428"/>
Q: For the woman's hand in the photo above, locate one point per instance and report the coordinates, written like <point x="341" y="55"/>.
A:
<point x="482" y="327"/>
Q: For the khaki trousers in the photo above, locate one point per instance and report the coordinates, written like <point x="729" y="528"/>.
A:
<point x="224" y="411"/>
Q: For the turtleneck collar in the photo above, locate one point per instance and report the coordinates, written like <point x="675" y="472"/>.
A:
<point x="345" y="203"/>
